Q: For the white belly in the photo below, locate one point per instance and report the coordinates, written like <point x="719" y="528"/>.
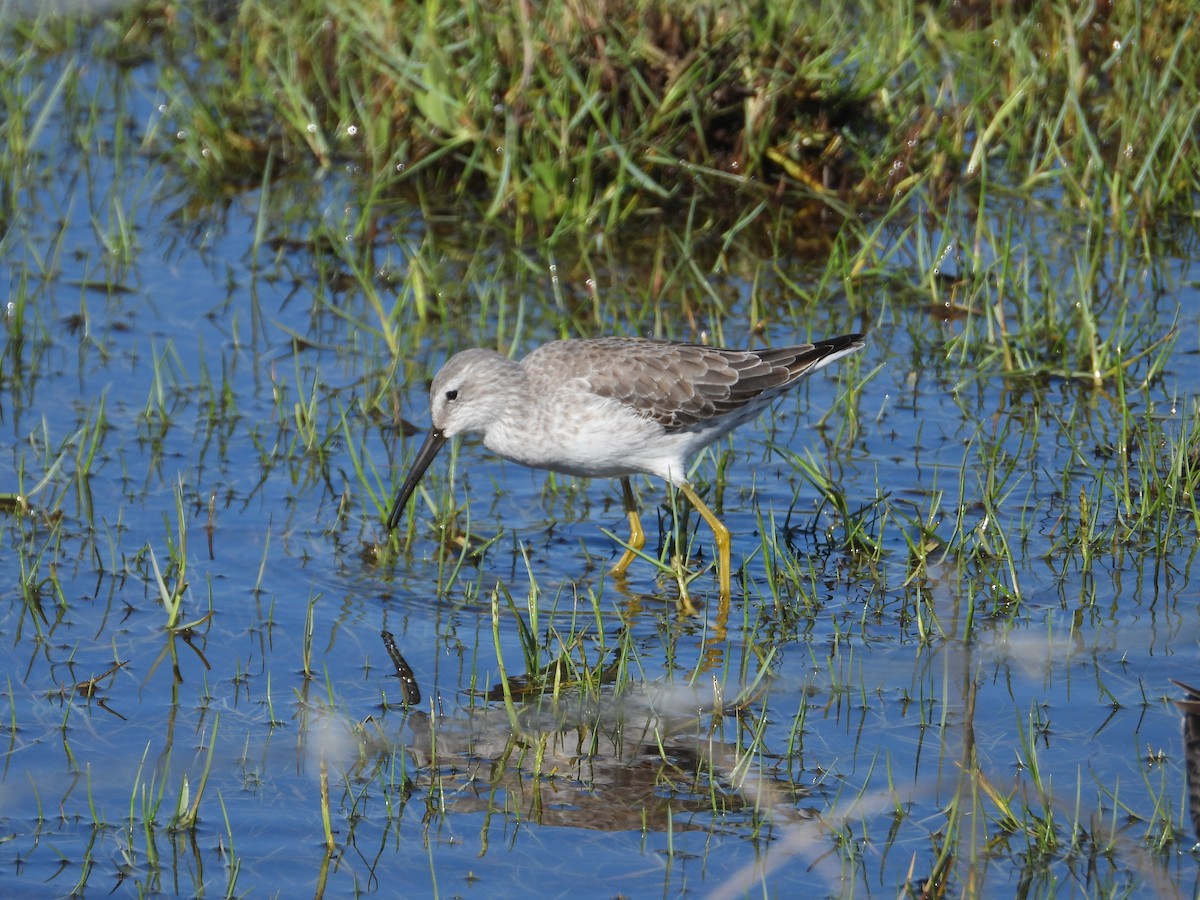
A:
<point x="591" y="437"/>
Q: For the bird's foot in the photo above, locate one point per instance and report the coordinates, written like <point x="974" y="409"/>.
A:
<point x="683" y="579"/>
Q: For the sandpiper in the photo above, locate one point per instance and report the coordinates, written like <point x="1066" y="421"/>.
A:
<point x="613" y="407"/>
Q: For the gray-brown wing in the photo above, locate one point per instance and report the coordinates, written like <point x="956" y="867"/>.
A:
<point x="680" y="385"/>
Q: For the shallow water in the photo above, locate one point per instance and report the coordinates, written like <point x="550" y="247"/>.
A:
<point x="1047" y="670"/>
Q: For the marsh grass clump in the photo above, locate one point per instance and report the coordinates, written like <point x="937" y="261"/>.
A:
<point x="580" y="114"/>
<point x="567" y="110"/>
<point x="569" y="116"/>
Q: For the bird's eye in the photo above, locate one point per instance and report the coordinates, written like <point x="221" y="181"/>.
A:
<point x="451" y="395"/>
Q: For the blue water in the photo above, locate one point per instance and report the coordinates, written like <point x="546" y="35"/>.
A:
<point x="194" y="367"/>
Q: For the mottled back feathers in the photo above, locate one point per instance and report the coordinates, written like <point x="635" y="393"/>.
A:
<point x="692" y="384"/>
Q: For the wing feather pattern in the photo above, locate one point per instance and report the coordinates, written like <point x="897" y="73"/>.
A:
<point x="682" y="385"/>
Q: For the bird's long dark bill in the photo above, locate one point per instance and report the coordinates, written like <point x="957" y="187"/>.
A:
<point x="433" y="443"/>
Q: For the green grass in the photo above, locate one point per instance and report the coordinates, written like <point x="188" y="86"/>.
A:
<point x="571" y="119"/>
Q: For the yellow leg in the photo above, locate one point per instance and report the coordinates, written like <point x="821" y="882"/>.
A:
<point x="637" y="537"/>
<point x="721" y="533"/>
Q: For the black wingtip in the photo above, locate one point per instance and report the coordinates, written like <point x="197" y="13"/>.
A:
<point x="842" y="341"/>
<point x="842" y="344"/>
